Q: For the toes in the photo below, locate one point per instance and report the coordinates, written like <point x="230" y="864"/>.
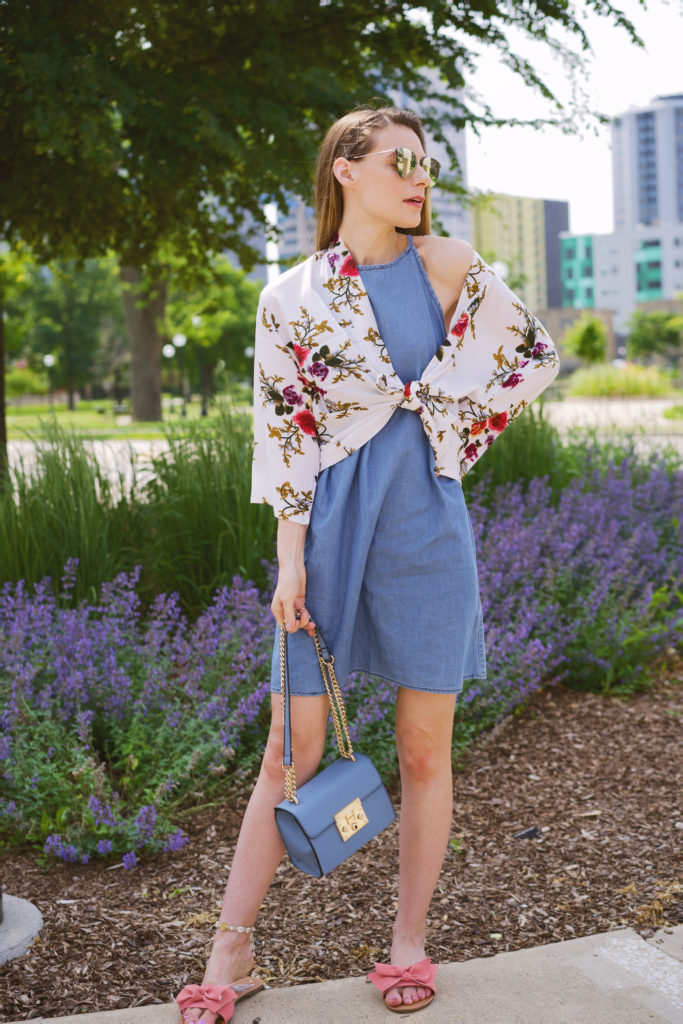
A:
<point x="394" y="996"/>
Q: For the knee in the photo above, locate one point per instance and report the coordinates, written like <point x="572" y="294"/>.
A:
<point x="421" y="757"/>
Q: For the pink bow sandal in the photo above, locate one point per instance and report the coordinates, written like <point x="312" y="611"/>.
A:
<point x="219" y="999"/>
<point x="420" y="975"/>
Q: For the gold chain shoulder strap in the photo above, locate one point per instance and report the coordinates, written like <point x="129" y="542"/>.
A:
<point x="334" y="694"/>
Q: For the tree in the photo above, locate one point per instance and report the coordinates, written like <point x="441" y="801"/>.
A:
<point x="64" y="309"/>
<point x="217" y="317"/>
<point x="587" y="339"/>
<point x="655" y="334"/>
<point x="150" y="127"/>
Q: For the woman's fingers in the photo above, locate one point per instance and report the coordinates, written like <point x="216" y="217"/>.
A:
<point x="295" y="615"/>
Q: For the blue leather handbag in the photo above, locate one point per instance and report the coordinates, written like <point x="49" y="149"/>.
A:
<point x="343" y="806"/>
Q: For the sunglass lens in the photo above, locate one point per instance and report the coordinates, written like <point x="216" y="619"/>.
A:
<point x="432" y="167"/>
<point x="405" y="161"/>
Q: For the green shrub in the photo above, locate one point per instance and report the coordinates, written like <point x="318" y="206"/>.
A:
<point x="24" y="381"/>
<point x="625" y="381"/>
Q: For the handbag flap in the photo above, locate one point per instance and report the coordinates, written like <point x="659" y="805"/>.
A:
<point x="331" y="790"/>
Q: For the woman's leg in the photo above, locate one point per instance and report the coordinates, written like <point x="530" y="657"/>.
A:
<point x="424" y="731"/>
<point x="259" y="847"/>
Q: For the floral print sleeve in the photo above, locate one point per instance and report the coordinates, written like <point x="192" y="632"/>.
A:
<point x="286" y="454"/>
<point x="504" y="359"/>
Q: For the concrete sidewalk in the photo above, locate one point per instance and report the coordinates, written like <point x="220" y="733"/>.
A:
<point x="613" y="978"/>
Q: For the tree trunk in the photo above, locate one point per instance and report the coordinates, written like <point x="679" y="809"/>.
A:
<point x="4" y="458"/>
<point x="143" y="309"/>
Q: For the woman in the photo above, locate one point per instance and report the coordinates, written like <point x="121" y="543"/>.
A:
<point x="385" y="365"/>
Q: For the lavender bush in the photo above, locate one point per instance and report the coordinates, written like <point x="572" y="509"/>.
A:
<point x="114" y="722"/>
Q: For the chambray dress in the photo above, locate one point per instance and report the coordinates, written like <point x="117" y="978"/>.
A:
<point x="391" y="575"/>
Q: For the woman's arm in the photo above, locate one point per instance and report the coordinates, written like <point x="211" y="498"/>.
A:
<point x="290" y="592"/>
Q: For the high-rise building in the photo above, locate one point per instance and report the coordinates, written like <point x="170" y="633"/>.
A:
<point x="641" y="261"/>
<point x="524" y="233"/>
<point x="622" y="270"/>
<point x="647" y="164"/>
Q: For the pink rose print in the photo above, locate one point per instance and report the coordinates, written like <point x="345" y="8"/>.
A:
<point x="348" y="268"/>
<point x="461" y="326"/>
<point x="421" y="410"/>
<point x="477" y="427"/>
<point x="300" y="353"/>
<point x="291" y="395"/>
<point x="306" y="422"/>
<point x="319" y="369"/>
<point x="539" y="347"/>
<point x="512" y="380"/>
<point x="471" y="451"/>
<point x="498" y="421"/>
<point x="406" y="390"/>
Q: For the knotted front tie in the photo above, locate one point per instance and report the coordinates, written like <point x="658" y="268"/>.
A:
<point x="407" y="396"/>
<point x="420" y="974"/>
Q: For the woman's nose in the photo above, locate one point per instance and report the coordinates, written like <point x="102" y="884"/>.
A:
<point x="420" y="176"/>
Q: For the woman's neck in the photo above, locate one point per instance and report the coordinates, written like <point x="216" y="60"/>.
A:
<point x="369" y="244"/>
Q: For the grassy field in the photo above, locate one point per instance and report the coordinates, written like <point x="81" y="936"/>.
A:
<point x="98" y="421"/>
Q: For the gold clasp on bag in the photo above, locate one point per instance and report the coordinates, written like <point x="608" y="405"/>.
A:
<point x="350" y="819"/>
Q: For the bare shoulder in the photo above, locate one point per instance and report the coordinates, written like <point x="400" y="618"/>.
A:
<point x="445" y="259"/>
<point x="447" y="262"/>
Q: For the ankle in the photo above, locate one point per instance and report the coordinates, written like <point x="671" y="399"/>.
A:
<point x="409" y="935"/>
<point x="233" y="941"/>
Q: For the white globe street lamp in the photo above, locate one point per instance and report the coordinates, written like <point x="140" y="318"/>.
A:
<point x="48" y="362"/>
<point x="180" y="341"/>
<point x="197" y="323"/>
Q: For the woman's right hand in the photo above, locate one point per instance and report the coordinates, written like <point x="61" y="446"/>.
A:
<point x="289" y="599"/>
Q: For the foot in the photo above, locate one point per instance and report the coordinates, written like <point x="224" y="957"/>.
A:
<point x="231" y="958"/>
<point x="405" y="952"/>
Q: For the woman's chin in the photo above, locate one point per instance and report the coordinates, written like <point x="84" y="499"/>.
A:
<point x="410" y="218"/>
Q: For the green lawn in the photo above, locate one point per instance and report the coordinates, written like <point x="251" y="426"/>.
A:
<point x="98" y="421"/>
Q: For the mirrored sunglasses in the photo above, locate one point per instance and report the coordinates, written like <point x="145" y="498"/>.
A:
<point x="406" y="162"/>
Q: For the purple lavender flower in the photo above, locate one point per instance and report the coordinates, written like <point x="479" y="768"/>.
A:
<point x="129" y="860"/>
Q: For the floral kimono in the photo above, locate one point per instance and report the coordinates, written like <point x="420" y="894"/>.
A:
<point x="324" y="383"/>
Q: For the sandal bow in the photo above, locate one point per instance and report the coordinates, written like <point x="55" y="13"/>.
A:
<point x="420" y="974"/>
<point x="219" y="999"/>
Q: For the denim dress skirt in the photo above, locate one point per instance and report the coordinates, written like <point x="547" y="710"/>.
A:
<point x="391" y="573"/>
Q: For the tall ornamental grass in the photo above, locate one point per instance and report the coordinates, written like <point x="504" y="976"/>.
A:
<point x="116" y="721"/>
<point x="184" y="516"/>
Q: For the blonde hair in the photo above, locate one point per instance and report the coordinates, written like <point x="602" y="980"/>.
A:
<point x="352" y="136"/>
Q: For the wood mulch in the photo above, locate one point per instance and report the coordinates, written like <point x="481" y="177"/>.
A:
<point x="595" y="776"/>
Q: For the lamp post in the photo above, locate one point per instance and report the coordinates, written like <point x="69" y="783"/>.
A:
<point x="197" y="323"/>
<point x="180" y="341"/>
<point x="168" y="351"/>
<point x="48" y="362"/>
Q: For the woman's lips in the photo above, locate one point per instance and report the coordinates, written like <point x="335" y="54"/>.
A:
<point x="417" y="201"/>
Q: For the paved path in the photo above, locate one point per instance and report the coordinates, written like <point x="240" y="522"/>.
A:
<point x="642" y="417"/>
<point x="612" y="978"/>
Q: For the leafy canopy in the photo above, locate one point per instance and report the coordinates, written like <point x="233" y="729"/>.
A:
<point x="127" y="127"/>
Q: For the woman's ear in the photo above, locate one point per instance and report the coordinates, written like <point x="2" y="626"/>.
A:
<point x="344" y="171"/>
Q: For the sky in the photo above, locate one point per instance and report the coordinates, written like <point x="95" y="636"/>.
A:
<point x="549" y="165"/>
